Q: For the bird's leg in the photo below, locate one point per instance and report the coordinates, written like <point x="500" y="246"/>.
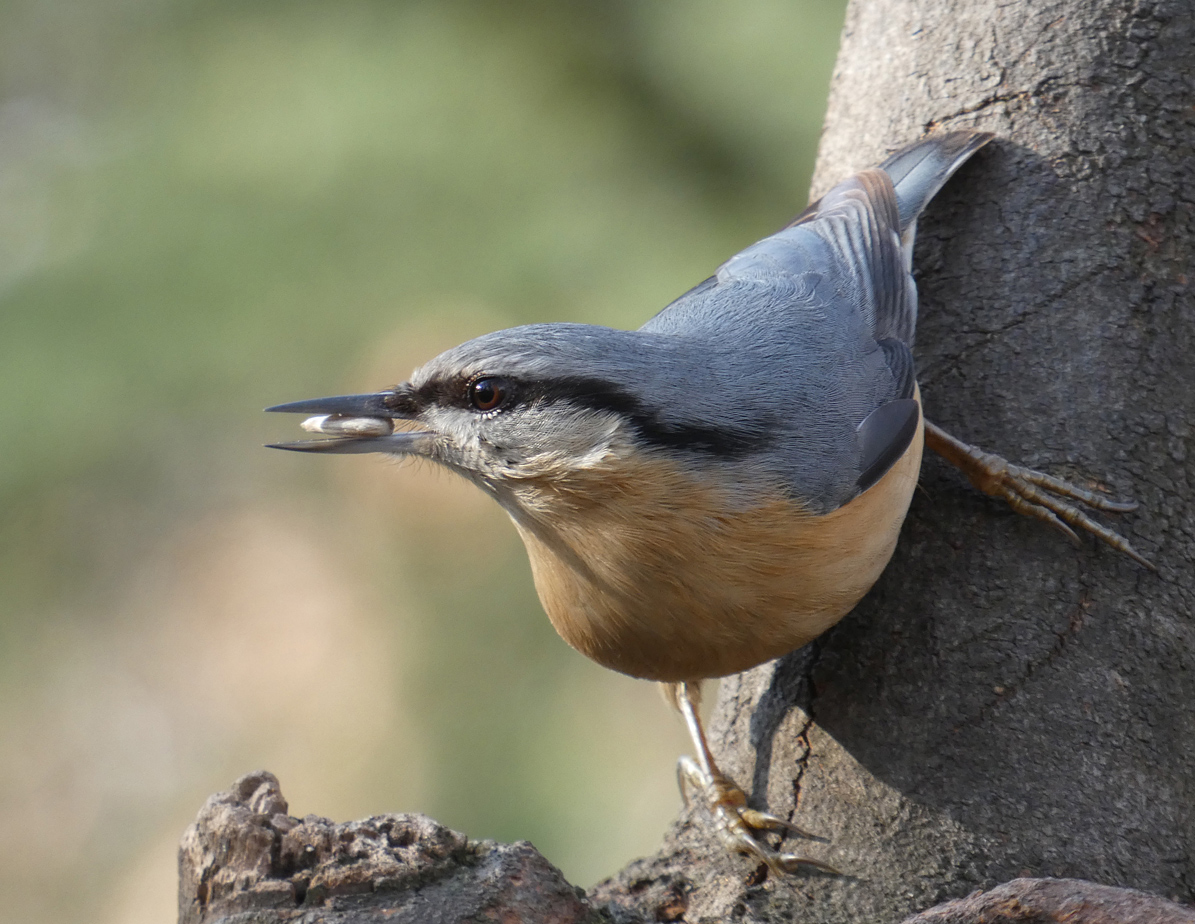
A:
<point x="735" y="822"/>
<point x="1033" y="493"/>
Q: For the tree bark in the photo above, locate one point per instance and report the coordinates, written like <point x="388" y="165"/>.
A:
<point x="246" y="860"/>
<point x="1002" y="704"/>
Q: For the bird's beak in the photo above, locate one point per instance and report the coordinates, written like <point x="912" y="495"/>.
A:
<point x="356" y="423"/>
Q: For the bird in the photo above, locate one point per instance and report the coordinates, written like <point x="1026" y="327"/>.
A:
<point x="721" y="486"/>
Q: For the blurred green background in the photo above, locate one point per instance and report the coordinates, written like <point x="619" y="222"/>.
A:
<point x="209" y="207"/>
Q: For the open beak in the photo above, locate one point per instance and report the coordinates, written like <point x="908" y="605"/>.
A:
<point x="355" y="423"/>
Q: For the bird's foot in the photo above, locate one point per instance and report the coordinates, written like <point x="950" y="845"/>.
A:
<point x="737" y="825"/>
<point x="1034" y="493"/>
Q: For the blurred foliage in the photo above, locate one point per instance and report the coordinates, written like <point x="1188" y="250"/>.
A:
<point x="208" y="207"/>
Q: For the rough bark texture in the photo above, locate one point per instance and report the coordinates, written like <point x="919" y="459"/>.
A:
<point x="1002" y="704"/>
<point x="245" y="860"/>
<point x="1056" y="901"/>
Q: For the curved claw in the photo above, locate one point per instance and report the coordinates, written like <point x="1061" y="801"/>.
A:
<point x="1034" y="493"/>
<point x="1073" y="491"/>
<point x="791" y="863"/>
<point x="1036" y="509"/>
<point x="736" y="824"/>
<point x="1025" y="498"/>
<point x="762" y="821"/>
<point x="688" y="774"/>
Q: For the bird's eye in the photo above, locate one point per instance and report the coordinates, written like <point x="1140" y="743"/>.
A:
<point x="488" y="394"/>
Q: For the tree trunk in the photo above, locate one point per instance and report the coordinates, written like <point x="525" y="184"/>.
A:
<point x="1003" y="704"/>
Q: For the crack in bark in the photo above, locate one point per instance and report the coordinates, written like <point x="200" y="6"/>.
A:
<point x="956" y="363"/>
<point x="986" y="336"/>
<point x="803" y="735"/>
<point x="1006" y="692"/>
<point x="801" y="766"/>
<point x="985" y="103"/>
<point x="994" y="99"/>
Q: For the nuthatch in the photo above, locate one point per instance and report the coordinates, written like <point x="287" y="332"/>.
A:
<point x="724" y="484"/>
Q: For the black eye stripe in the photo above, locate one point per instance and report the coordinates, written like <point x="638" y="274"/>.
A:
<point x="693" y="436"/>
<point x="598" y="395"/>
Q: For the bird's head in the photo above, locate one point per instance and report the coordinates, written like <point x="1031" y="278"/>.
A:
<point x="528" y="407"/>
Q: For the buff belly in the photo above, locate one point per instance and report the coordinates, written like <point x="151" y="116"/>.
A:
<point x="652" y="574"/>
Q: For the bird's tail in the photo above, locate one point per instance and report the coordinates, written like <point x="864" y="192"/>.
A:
<point x="921" y="169"/>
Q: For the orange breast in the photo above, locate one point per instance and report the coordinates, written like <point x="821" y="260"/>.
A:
<point x="653" y="574"/>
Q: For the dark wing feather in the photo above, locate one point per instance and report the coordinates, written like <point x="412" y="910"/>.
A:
<point x="883" y="438"/>
<point x="888" y="430"/>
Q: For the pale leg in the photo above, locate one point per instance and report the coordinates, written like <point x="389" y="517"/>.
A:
<point x="735" y="823"/>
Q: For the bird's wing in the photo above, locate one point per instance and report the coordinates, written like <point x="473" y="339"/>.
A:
<point x="828" y="307"/>
<point x="826" y="310"/>
<point x="850" y="238"/>
<point x="860" y="220"/>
